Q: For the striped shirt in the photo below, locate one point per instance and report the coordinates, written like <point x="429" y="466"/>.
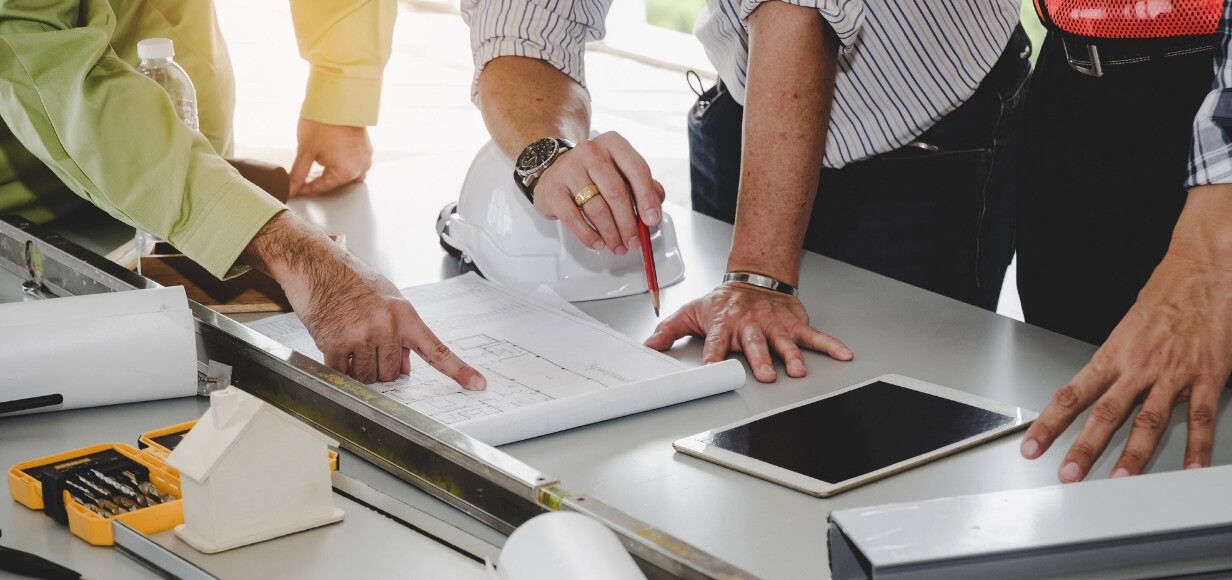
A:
<point x="1210" y="157"/>
<point x="904" y="64"/>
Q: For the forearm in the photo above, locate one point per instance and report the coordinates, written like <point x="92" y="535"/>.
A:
<point x="296" y="253"/>
<point x="525" y="99"/>
<point x="1203" y="233"/>
<point x="792" y="62"/>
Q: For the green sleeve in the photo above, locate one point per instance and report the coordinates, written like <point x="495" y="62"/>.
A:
<point x="112" y="136"/>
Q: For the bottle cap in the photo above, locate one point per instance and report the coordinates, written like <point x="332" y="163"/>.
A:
<point x="154" y="48"/>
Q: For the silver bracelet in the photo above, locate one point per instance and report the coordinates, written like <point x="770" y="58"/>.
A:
<point x="760" y="281"/>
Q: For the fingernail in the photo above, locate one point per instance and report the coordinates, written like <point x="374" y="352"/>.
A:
<point x="632" y="242"/>
<point x="477" y="383"/>
<point x="1194" y="466"/>
<point x="651" y="217"/>
<point x="1070" y="472"/>
<point x="1030" y="448"/>
<point x="621" y="250"/>
<point x="1119" y="472"/>
<point x="766" y="370"/>
<point x="597" y="246"/>
<point x="844" y="352"/>
<point x="795" y="367"/>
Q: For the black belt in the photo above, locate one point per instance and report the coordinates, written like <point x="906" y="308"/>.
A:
<point x="1092" y="59"/>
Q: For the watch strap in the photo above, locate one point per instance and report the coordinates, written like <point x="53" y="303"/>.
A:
<point x="760" y="281"/>
<point x="527" y="190"/>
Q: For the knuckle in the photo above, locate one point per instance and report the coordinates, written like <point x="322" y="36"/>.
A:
<point x="586" y="150"/>
<point x="438" y="352"/>
<point x="1083" y="450"/>
<point x="1103" y="362"/>
<point x="1148" y="419"/>
<point x="1201" y="416"/>
<point x="1042" y="430"/>
<point x="1198" y="451"/>
<point x="1134" y="456"/>
<point x="541" y="208"/>
<point x="608" y="137"/>
<point x="574" y="222"/>
<point x="1106" y="412"/>
<point x="595" y="208"/>
<point x="1068" y="397"/>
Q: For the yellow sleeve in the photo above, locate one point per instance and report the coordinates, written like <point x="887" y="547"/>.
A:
<point x="346" y="44"/>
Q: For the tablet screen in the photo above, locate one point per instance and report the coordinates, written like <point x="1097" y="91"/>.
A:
<point x="857" y="432"/>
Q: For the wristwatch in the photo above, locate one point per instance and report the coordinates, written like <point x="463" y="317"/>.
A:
<point x="534" y="160"/>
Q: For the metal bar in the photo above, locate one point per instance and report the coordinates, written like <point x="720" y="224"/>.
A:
<point x="68" y="269"/>
<point x="156" y="558"/>
<point x="414" y="518"/>
<point x="471" y="476"/>
<point x="674" y="558"/>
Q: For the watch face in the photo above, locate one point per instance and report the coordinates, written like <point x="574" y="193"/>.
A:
<point x="536" y="154"/>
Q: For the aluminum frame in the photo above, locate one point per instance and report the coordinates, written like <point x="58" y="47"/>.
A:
<point x="469" y="475"/>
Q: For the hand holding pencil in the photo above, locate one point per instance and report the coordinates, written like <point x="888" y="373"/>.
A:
<point x="652" y="279"/>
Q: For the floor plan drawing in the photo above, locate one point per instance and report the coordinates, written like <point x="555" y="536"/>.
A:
<point x="516" y="378"/>
<point x="533" y="355"/>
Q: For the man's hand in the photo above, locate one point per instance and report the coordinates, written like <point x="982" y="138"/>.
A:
<point x="357" y="318"/>
<point x="740" y="318"/>
<point x="1174" y="345"/>
<point x="525" y="99"/>
<point x="344" y="152"/>
<point x="609" y="162"/>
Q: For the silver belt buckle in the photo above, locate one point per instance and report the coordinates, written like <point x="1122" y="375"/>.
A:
<point x="1094" y="68"/>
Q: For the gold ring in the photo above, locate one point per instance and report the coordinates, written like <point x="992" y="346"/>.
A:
<point x="587" y="193"/>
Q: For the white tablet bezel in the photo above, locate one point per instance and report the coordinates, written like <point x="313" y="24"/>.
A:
<point x="695" y="445"/>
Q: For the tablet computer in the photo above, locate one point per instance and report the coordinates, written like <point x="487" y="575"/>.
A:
<point x="840" y="440"/>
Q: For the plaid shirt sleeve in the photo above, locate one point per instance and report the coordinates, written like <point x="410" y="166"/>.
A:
<point x="1210" y="159"/>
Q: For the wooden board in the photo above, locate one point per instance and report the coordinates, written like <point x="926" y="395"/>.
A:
<point x="252" y="292"/>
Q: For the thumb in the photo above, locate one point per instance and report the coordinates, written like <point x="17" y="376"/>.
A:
<point x="327" y="181"/>
<point x="669" y="331"/>
<point x="299" y="170"/>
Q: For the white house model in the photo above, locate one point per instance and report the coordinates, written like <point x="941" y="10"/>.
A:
<point x="249" y="472"/>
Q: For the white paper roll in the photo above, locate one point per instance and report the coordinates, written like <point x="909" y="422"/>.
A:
<point x="609" y="403"/>
<point x="565" y="546"/>
<point x="99" y="349"/>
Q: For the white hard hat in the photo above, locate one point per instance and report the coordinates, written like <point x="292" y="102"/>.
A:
<point x="495" y="227"/>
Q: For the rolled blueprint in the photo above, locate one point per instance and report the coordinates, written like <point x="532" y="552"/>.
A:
<point x="609" y="403"/>
<point x="99" y="349"/>
<point x="564" y="546"/>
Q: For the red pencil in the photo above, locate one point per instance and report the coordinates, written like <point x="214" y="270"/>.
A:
<point x="652" y="279"/>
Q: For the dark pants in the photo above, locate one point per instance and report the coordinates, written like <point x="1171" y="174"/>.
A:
<point x="1101" y="184"/>
<point x="941" y="220"/>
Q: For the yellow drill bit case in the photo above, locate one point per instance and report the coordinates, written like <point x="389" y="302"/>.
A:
<point x="37" y="484"/>
<point x="27" y="479"/>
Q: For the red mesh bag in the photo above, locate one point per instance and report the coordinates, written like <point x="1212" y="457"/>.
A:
<point x="1105" y="19"/>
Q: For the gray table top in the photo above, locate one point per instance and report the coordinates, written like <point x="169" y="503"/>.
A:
<point x="629" y="463"/>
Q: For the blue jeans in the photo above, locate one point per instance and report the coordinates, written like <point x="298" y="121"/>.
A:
<point x="942" y="220"/>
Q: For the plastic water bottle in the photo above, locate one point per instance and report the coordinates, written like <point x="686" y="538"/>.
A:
<point x="158" y="64"/>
